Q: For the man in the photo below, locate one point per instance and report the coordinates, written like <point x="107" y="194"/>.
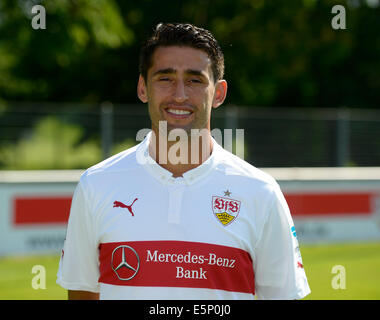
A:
<point x="177" y="216"/>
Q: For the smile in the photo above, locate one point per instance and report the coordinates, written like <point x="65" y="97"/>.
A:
<point x="178" y="113"/>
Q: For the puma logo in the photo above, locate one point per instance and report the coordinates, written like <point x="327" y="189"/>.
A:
<point x="122" y="205"/>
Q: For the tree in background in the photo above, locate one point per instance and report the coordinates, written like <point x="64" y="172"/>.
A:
<point x="277" y="54"/>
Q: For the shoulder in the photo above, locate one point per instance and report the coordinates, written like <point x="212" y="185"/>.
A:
<point x="233" y="166"/>
<point x="120" y="162"/>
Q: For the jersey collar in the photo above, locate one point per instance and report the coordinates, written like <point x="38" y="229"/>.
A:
<point x="166" y="177"/>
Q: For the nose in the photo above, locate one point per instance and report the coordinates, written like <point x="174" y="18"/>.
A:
<point x="180" y="94"/>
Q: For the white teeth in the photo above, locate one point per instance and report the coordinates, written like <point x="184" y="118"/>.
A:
<point x="176" y="111"/>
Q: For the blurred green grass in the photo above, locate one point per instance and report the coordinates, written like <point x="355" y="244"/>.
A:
<point x="16" y="278"/>
<point x="362" y="269"/>
<point x="361" y="262"/>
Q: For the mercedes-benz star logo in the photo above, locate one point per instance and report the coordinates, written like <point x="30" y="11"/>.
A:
<point x="124" y="270"/>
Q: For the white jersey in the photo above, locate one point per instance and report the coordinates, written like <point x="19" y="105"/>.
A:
<point x="221" y="231"/>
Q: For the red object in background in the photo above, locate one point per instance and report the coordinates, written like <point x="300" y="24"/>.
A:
<point x="41" y="210"/>
<point x="329" y="203"/>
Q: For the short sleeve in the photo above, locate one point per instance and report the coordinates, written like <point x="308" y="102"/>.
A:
<point x="279" y="272"/>
<point x="79" y="267"/>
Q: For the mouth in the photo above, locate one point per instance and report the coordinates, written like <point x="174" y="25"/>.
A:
<point x="178" y="112"/>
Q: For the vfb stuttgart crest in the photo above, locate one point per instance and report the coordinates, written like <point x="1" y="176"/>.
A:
<point x="225" y="210"/>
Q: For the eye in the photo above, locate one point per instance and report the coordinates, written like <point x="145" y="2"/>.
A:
<point x="195" y="80"/>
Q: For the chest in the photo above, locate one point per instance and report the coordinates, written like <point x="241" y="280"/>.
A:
<point x="176" y="212"/>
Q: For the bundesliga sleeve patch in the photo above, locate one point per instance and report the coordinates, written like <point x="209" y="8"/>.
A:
<point x="176" y="264"/>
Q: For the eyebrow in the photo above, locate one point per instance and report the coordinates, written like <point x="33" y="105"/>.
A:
<point x="164" y="71"/>
<point x="171" y="71"/>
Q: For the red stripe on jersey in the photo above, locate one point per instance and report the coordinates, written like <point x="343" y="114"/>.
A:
<point x="176" y="264"/>
<point x="41" y="210"/>
<point x="329" y="203"/>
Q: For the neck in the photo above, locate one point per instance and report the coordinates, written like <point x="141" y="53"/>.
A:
<point x="180" y="153"/>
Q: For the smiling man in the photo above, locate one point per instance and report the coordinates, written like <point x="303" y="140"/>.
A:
<point x="182" y="80"/>
<point x="214" y="227"/>
<point x="181" y="89"/>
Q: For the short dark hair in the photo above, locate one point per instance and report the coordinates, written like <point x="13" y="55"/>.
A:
<point x="182" y="34"/>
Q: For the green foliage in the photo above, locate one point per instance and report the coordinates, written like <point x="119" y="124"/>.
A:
<point x="53" y="144"/>
<point x="66" y="61"/>
<point x="123" y="145"/>
<point x="276" y="54"/>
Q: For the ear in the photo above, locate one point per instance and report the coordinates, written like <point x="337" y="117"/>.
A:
<point x="142" y="90"/>
<point x="220" y="93"/>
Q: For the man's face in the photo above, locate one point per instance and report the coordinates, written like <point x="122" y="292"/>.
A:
<point x="180" y="88"/>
